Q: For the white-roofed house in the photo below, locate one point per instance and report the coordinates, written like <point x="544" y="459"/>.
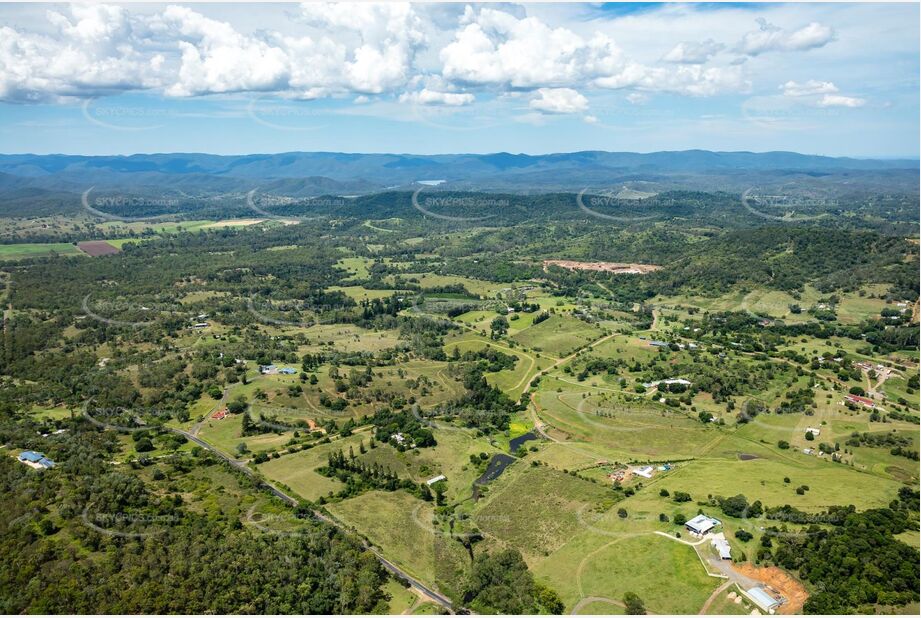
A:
<point x="701" y="524"/>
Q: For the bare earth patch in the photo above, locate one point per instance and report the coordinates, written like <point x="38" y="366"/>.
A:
<point x="608" y="267"/>
<point x="779" y="580"/>
<point x="95" y="248"/>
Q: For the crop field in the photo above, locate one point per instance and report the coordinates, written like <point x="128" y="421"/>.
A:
<point x="558" y="335"/>
<point x="20" y="251"/>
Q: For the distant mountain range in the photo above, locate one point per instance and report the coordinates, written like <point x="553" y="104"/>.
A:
<point x="27" y="177"/>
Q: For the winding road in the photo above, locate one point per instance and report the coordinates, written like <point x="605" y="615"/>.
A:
<point x="421" y="588"/>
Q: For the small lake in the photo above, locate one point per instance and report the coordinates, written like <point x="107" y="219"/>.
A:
<point x="517" y="442"/>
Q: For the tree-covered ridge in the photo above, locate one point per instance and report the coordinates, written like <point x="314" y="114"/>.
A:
<point x="858" y="564"/>
<point x="168" y="557"/>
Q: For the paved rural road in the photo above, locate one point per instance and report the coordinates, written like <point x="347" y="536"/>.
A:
<point x="438" y="598"/>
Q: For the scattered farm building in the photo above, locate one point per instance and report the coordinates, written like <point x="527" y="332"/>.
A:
<point x="35" y="460"/>
<point x="667" y="382"/>
<point x="815" y="432"/>
<point x="220" y="414"/>
<point x="722" y="547"/>
<point x="864" y="401"/>
<point x="658" y="344"/>
<point x="288" y="371"/>
<point x="765" y="601"/>
<point x="701" y="524"/>
<point x="646" y="472"/>
<point x="201" y="325"/>
<point x="435" y="479"/>
<point x="268" y="370"/>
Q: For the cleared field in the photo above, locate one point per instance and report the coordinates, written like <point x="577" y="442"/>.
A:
<point x="510" y="381"/>
<point x="19" y="251"/>
<point x="667" y="575"/>
<point x="388" y="520"/>
<point x="602" y="608"/>
<point x="486" y="289"/>
<point x="356" y="292"/>
<point x="763" y="479"/>
<point x="450" y="457"/>
<point x="536" y="509"/>
<point x="346" y="338"/>
<point x="621" y="431"/>
<point x="226" y="434"/>
<point x="298" y="471"/>
<point x="558" y="335"/>
<point x="95" y="248"/>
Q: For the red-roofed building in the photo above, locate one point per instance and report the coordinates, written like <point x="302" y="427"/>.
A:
<point x="220" y="414"/>
<point x="861" y="400"/>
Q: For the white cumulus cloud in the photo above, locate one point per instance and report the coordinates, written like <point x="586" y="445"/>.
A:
<point x="494" y="47"/>
<point x="435" y="97"/>
<point x="693" y="53"/>
<point x="769" y="38"/>
<point x="837" y="100"/>
<point x="807" y="88"/>
<point x="559" y="101"/>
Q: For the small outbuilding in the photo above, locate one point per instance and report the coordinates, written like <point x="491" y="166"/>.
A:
<point x="766" y="602"/>
<point x="722" y="547"/>
<point x="435" y="479"/>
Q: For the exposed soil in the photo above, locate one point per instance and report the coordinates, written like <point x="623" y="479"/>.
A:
<point x="95" y="248"/>
<point x="609" y="267"/>
<point x="781" y="581"/>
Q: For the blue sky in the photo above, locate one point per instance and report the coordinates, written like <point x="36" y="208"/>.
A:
<point x="836" y="79"/>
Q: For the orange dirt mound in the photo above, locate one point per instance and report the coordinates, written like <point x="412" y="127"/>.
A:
<point x="609" y="267"/>
<point x="781" y="581"/>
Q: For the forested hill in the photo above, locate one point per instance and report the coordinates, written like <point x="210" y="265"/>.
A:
<point x="316" y="173"/>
